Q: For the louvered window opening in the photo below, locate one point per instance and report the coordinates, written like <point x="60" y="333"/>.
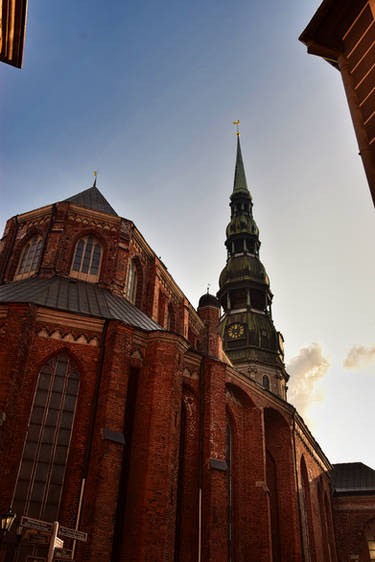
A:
<point x="87" y="259"/>
<point x="42" y="469"/>
<point x="30" y="257"/>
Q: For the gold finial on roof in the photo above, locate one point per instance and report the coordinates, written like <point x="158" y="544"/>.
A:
<point x="237" y="123"/>
<point x="95" y="174"/>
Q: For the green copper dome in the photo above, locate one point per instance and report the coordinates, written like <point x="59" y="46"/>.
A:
<point x="242" y="224"/>
<point x="243" y="268"/>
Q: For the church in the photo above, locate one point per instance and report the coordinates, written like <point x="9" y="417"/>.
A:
<point x="152" y="430"/>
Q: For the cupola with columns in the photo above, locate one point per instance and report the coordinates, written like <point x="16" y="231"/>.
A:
<point x="250" y="339"/>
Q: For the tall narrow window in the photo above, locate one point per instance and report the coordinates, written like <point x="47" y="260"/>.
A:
<point x="229" y="489"/>
<point x="266" y="382"/>
<point x="42" y="469"/>
<point x="131" y="286"/>
<point x="29" y="259"/>
<point x="87" y="259"/>
<point x="171" y="321"/>
<point x="306" y="508"/>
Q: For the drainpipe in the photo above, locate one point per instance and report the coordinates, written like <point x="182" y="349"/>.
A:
<point x="298" y="493"/>
<point x="91" y="430"/>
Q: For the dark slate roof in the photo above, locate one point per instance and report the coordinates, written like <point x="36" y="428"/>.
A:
<point x="76" y="296"/>
<point x="353" y="477"/>
<point x="91" y="198"/>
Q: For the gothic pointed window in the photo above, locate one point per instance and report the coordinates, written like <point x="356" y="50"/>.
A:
<point x="87" y="259"/>
<point x="42" y="469"/>
<point x="30" y="257"/>
<point x="131" y="286"/>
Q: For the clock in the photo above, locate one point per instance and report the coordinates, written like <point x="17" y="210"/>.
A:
<point x="236" y="331"/>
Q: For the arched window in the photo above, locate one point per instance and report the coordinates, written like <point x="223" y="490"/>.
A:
<point x="266" y="382"/>
<point x="87" y="259"/>
<point x="30" y="258"/>
<point x="308" y="540"/>
<point x="171" y="319"/>
<point x="42" y="469"/>
<point x="131" y="286"/>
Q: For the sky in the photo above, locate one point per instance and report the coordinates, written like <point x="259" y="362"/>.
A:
<point x="145" y="93"/>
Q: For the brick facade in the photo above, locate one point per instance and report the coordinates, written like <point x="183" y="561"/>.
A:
<point x="174" y="454"/>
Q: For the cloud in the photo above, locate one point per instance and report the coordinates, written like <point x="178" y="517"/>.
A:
<point x="359" y="357"/>
<point x="306" y="371"/>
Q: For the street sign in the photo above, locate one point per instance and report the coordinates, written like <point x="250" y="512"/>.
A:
<point x="36" y="524"/>
<point x="37" y="538"/>
<point x="59" y="543"/>
<point x="64" y="554"/>
<point x="72" y="534"/>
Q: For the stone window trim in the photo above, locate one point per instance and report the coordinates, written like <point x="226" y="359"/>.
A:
<point x="87" y="259"/>
<point x="29" y="259"/>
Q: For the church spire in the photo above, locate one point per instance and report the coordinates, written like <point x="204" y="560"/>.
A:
<point x="240" y="183"/>
<point x="250" y="339"/>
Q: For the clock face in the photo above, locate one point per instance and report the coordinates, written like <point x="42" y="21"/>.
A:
<point x="236" y="331"/>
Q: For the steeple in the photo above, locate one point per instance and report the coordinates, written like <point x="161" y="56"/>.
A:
<point x="249" y="337"/>
<point x="240" y="183"/>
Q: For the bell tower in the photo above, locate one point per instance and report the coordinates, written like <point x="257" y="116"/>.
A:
<point x="250" y="339"/>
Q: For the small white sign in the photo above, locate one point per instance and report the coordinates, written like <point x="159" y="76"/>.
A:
<point x="36" y="524"/>
<point x="72" y="534"/>
<point x="59" y="543"/>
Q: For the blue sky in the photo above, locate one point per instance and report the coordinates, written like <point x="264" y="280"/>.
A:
<point x="145" y="92"/>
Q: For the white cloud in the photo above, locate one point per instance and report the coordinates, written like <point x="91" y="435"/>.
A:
<point x="306" y="371"/>
<point x="359" y="357"/>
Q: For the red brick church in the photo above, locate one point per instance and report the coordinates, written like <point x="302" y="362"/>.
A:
<point x="161" y="431"/>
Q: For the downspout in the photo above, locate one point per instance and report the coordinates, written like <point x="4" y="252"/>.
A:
<point x="298" y="493"/>
<point x="201" y="434"/>
<point x="9" y="252"/>
<point x="91" y="430"/>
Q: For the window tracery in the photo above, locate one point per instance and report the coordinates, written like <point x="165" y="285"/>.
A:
<point x="29" y="259"/>
<point x="131" y="286"/>
<point x="42" y="468"/>
<point x="87" y="259"/>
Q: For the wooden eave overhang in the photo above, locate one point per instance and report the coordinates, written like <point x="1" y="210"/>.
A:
<point x="323" y="34"/>
<point x="12" y="31"/>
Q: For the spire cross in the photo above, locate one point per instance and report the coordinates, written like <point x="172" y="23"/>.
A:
<point x="237" y="124"/>
<point x="208" y="288"/>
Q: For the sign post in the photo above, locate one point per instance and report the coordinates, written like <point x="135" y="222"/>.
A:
<point x="54" y="542"/>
